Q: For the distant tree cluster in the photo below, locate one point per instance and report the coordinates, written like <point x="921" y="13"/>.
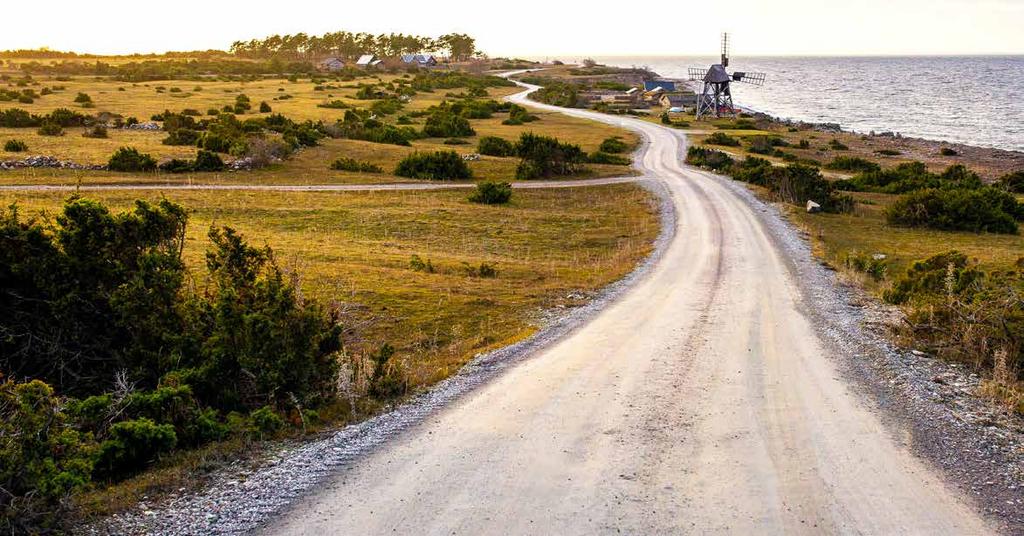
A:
<point x="301" y="47"/>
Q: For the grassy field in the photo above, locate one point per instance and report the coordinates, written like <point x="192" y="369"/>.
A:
<point x="296" y="100"/>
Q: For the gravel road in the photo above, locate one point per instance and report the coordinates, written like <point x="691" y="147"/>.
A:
<point x="702" y="400"/>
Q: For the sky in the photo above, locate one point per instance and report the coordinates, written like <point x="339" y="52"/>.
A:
<point x="537" y="28"/>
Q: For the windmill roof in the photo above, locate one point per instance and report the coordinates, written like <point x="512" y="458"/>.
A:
<point x="717" y="75"/>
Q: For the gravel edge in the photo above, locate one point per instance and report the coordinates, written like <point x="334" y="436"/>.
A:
<point x="240" y="498"/>
<point x="928" y="404"/>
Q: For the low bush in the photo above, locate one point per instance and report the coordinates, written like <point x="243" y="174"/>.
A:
<point x="129" y="159"/>
<point x="15" y="146"/>
<point x="948" y="151"/>
<point x="982" y="210"/>
<point x="837" y="145"/>
<point x="852" y="163"/>
<point x="752" y="170"/>
<point x="388" y="379"/>
<point x="910" y="176"/>
<point x="495" y="146"/>
<point x="43" y="459"/>
<point x="721" y="138"/>
<point x="765" y="145"/>
<point x="334" y="104"/>
<point x="83" y="98"/>
<point x="796" y="184"/>
<point x="445" y="124"/>
<point x="543" y="156"/>
<point x="95" y="131"/>
<point x="183" y="136"/>
<point x="873" y="266"/>
<point x="601" y="157"/>
<point x="708" y="159"/>
<point x="492" y="193"/>
<point x="133" y="445"/>
<point x="455" y="141"/>
<point x="888" y="152"/>
<point x="265" y="108"/>
<point x="50" y="129"/>
<point x="439" y="165"/>
<point x="351" y="164"/>
<point x="947" y="272"/>
<point x="613" y="145"/>
<point x="1012" y="182"/>
<point x="207" y="161"/>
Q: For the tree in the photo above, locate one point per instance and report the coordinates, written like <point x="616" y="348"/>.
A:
<point x="460" y="47"/>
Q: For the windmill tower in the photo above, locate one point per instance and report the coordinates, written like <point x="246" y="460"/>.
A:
<point x="715" y="98"/>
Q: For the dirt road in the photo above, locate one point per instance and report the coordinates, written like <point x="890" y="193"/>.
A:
<point x="702" y="401"/>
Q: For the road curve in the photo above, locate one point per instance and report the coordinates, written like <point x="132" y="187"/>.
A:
<point x="701" y="401"/>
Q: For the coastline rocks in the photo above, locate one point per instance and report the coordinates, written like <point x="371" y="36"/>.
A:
<point x="46" y="162"/>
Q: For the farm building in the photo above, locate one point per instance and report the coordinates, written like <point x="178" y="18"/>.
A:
<point x="421" y="60"/>
<point x="369" y="61"/>
<point x="331" y="64"/>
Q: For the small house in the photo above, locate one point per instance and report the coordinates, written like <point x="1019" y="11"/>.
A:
<point x="369" y="61"/>
<point x="419" y="60"/>
<point x="678" y="100"/>
<point x="665" y="85"/>
<point x="331" y="64"/>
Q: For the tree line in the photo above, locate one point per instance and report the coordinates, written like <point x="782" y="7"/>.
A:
<point x="348" y="44"/>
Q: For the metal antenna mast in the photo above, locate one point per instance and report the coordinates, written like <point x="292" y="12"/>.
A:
<point x="715" y="98"/>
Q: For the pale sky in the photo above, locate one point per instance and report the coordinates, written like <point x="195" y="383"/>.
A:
<point x="537" y="28"/>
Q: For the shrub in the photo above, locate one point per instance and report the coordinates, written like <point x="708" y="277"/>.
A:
<point x="936" y="275"/>
<point x="665" y="119"/>
<point x="721" y="138"/>
<point x="796" y="184"/>
<point x="418" y="264"/>
<point x="708" y="158"/>
<point x="837" y="145"/>
<point x="15" y="146"/>
<point x="42" y="458"/>
<point x="765" y="144"/>
<point x="495" y="146"/>
<point x="492" y="193"/>
<point x="875" y="267"/>
<point x="265" y="108"/>
<point x="208" y="161"/>
<point x="455" y="141"/>
<point x="388" y="378"/>
<point x="1012" y="182"/>
<point x="130" y="159"/>
<point x="445" y="124"/>
<point x="82" y="98"/>
<point x="543" y="156"/>
<point x="911" y="176"/>
<point x="613" y="145"/>
<point x="601" y="157"/>
<point x="266" y="421"/>
<point x="803" y="144"/>
<point x="439" y="165"/>
<point x="852" y="163"/>
<point x="888" y="152"/>
<point x="983" y="210"/>
<point x="95" y="131"/>
<point x="948" y="151"/>
<point x="334" y="104"/>
<point x="50" y="129"/>
<point x="183" y="136"/>
<point x="176" y="165"/>
<point x="753" y="170"/>
<point x="517" y="115"/>
<point x="133" y="445"/>
<point x="351" y="164"/>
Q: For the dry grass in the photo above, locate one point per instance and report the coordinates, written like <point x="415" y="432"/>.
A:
<point x="309" y="166"/>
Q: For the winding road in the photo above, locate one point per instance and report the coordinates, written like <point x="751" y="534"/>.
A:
<point x="702" y="400"/>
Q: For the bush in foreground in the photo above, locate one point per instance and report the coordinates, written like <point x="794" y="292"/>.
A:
<point x="439" y="165"/>
<point x="708" y="159"/>
<point x="721" y="138"/>
<point x="492" y="193"/>
<point x="544" y="156"/>
<point x="129" y="159"/>
<point x="613" y="145"/>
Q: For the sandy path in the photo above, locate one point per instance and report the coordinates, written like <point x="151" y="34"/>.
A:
<point x="699" y="402"/>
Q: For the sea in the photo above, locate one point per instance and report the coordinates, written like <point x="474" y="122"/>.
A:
<point x="976" y="100"/>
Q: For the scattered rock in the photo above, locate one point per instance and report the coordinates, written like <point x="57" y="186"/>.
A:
<point x="813" y="207"/>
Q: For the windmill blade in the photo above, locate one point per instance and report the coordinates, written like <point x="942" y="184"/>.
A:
<point x="756" y="79"/>
<point x="697" y="73"/>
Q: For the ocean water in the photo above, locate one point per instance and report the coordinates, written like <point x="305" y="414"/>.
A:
<point x="977" y="100"/>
